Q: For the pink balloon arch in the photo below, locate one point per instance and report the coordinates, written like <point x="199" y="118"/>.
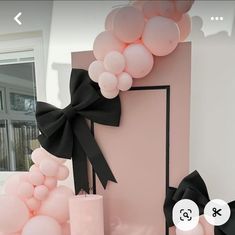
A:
<point x="134" y="35"/>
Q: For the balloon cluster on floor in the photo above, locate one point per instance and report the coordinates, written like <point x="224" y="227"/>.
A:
<point x="133" y="35"/>
<point x="33" y="204"/>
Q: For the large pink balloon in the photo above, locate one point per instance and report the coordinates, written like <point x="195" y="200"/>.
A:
<point x="106" y="42"/>
<point x="166" y="8"/>
<point x="161" y="35"/>
<point x="128" y="24"/>
<point x="42" y="225"/>
<point x="139" y="4"/>
<point x="13" y="214"/>
<point x="95" y="69"/>
<point x="56" y="204"/>
<point x="109" y="19"/>
<point x="151" y="9"/>
<point x="183" y="6"/>
<point x="139" y="61"/>
<point x="185" y="26"/>
<point x="11" y="185"/>
<point x="198" y="230"/>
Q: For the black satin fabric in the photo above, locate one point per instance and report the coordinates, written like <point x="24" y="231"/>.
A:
<point x="65" y="133"/>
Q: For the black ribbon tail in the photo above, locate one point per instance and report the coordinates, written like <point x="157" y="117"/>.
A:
<point x="93" y="152"/>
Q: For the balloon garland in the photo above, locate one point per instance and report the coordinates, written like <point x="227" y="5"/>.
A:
<point x="133" y="35"/>
<point x="33" y="203"/>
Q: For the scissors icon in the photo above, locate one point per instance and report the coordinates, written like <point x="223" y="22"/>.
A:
<point x="216" y="212"/>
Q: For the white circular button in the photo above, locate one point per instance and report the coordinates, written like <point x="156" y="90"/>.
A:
<point x="186" y="215"/>
<point x="217" y="212"/>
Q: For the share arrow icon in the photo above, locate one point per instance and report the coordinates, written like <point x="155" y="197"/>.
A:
<point x="16" y="18"/>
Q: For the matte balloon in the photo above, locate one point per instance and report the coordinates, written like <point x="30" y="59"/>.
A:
<point x="54" y="158"/>
<point x="128" y="24"/>
<point x="13" y="214"/>
<point x="25" y="190"/>
<point x="36" y="178"/>
<point x="161" y="35"/>
<point x="41" y="192"/>
<point x="139" y="61"/>
<point x="49" y="167"/>
<point x="34" y="168"/>
<point x="95" y="69"/>
<point x="56" y="204"/>
<point x="109" y="19"/>
<point x="110" y="94"/>
<point x="124" y="81"/>
<point x="198" y="230"/>
<point x="138" y="4"/>
<point x="184" y="26"/>
<point x="42" y="225"/>
<point x="108" y="81"/>
<point x="63" y="173"/>
<point x="33" y="204"/>
<point x="24" y="177"/>
<point x="106" y="42"/>
<point x="50" y="182"/>
<point x="151" y="9"/>
<point x="166" y="8"/>
<point x="38" y="155"/>
<point x="11" y="185"/>
<point x="114" y="62"/>
<point x="183" y="6"/>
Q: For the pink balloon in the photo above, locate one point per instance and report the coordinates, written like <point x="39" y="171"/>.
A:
<point x="114" y="62"/>
<point x="54" y="158"/>
<point x="38" y="155"/>
<point x="151" y="9"/>
<point x="106" y="42"/>
<point x="66" y="229"/>
<point x="108" y="81"/>
<point x="36" y="178"/>
<point x="166" y="8"/>
<point x="110" y="94"/>
<point x="49" y="167"/>
<point x="33" y="204"/>
<point x="185" y="27"/>
<point x="124" y="81"/>
<point x="11" y="185"/>
<point x="183" y="6"/>
<point x="34" y="168"/>
<point x="13" y="214"/>
<point x="50" y="182"/>
<point x="161" y="35"/>
<point x="25" y="190"/>
<point x="138" y="4"/>
<point x="198" y="230"/>
<point x="24" y="177"/>
<point x="139" y="61"/>
<point x="208" y="228"/>
<point x="42" y="225"/>
<point x="56" y="204"/>
<point x="63" y="173"/>
<point x="176" y="16"/>
<point x="95" y="69"/>
<point x="41" y="192"/>
<point x="128" y="24"/>
<point x="109" y="19"/>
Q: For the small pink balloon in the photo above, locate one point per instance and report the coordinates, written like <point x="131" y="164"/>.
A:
<point x="139" y="61"/>
<point x="41" y="192"/>
<point x="109" y="19"/>
<point x="33" y="204"/>
<point x="151" y="9"/>
<point x="106" y="42"/>
<point x="42" y="225"/>
<point x="128" y="24"/>
<point x="63" y="173"/>
<point x="13" y="214"/>
<point x="183" y="6"/>
<point x="108" y="81"/>
<point x="36" y="178"/>
<point x="25" y="190"/>
<point x="166" y="8"/>
<point x="49" y="167"/>
<point x="124" y="81"/>
<point x="114" y="62"/>
<point x="34" y="168"/>
<point x="11" y="185"/>
<point x="110" y="94"/>
<point x="56" y="204"/>
<point x="184" y="26"/>
<point x="50" y="182"/>
<point x="161" y="35"/>
<point x="54" y="158"/>
<point x="95" y="69"/>
<point x="38" y="155"/>
<point x="198" y="230"/>
<point x="66" y="229"/>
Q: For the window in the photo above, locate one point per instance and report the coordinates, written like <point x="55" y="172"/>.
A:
<point x="18" y="129"/>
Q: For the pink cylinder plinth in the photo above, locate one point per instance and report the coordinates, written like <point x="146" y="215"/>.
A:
<point x="86" y="215"/>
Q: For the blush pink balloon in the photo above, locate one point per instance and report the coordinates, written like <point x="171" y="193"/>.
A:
<point x="42" y="225"/>
<point x="110" y="94"/>
<point x="166" y="8"/>
<point x="34" y="168"/>
<point x="95" y="69"/>
<point x="114" y="62"/>
<point x="185" y="27"/>
<point x="11" y="185"/>
<point x="108" y="81"/>
<point x="139" y="61"/>
<point x="198" y="230"/>
<point x="109" y="19"/>
<point x="151" y="9"/>
<point x="161" y="35"/>
<point x="183" y="6"/>
<point x="56" y="204"/>
<point x="63" y="173"/>
<point x="38" y="155"/>
<point x="66" y="229"/>
<point x="138" y="4"/>
<point x="41" y="192"/>
<point x="25" y="190"/>
<point x="24" y="177"/>
<point x="13" y="214"/>
<point x="33" y="204"/>
<point x="49" y="167"/>
<point x="50" y="182"/>
<point x="124" y="81"/>
<point x="208" y="228"/>
<point x="36" y="178"/>
<point x="106" y="42"/>
<point x="54" y="158"/>
<point x="128" y="24"/>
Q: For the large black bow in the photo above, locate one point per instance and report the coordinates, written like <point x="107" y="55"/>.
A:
<point x="194" y="188"/>
<point x="65" y="133"/>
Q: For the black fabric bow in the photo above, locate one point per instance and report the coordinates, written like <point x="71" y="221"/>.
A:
<point x="65" y="133"/>
<point x="194" y="188"/>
